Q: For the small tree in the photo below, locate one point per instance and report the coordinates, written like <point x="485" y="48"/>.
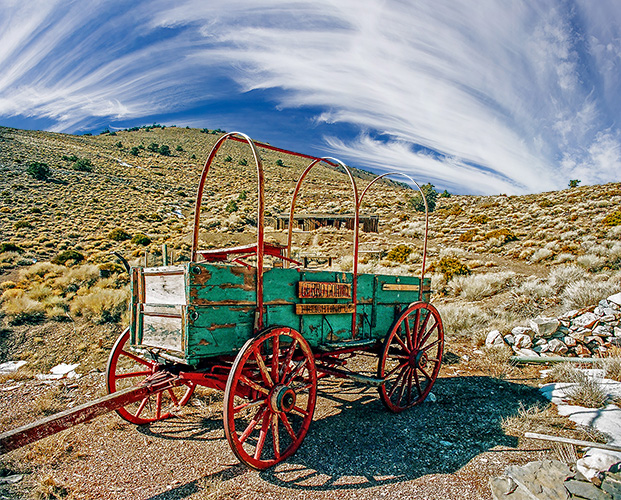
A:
<point x="39" y="170"/>
<point x="153" y="147"/>
<point x="83" y="165"/>
<point x="574" y="183"/>
<point x="179" y="148"/>
<point x="243" y="162"/>
<point x="134" y="151"/>
<point x="445" y="194"/>
<point x="417" y="203"/>
<point x="164" y="150"/>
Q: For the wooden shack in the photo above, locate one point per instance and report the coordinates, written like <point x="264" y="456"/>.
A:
<point x="308" y="222"/>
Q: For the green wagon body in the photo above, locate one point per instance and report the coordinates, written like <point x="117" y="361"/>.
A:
<point x="200" y="310"/>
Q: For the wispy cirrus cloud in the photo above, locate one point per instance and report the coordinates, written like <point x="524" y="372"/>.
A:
<point x="482" y="98"/>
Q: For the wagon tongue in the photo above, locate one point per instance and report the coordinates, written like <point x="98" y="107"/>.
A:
<point x="30" y="433"/>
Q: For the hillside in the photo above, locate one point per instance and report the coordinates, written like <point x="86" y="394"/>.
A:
<point x="495" y="262"/>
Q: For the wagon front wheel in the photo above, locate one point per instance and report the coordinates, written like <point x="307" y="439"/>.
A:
<point x="411" y="357"/>
<point x="269" y="399"/>
<point x="126" y="369"/>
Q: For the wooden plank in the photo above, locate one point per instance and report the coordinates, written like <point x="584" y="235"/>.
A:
<point x="325" y="308"/>
<point x="323" y="290"/>
<point x="402" y="287"/>
<point x="164" y="287"/>
<point x="162" y="327"/>
<point x="576" y="442"/>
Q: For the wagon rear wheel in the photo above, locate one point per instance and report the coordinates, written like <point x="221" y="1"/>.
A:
<point x="270" y="397"/>
<point x="411" y="357"/>
<point x="126" y="369"/>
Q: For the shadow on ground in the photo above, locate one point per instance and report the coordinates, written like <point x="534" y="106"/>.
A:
<point x="360" y="444"/>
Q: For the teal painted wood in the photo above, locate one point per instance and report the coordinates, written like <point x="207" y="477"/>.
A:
<point x="218" y="310"/>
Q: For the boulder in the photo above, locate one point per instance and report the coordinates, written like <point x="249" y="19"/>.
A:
<point x="570" y="341"/>
<point x="586" y="320"/>
<point x="522" y="341"/>
<point x="509" y="339"/>
<point x="611" y="484"/>
<point x="544" y="327"/>
<point x="582" y="489"/>
<point x="522" y="330"/>
<point x="558" y="347"/>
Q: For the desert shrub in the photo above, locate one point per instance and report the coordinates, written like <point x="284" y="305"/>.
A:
<point x="613" y="219"/>
<point x="228" y="158"/>
<point x="463" y="320"/>
<point x="243" y="162"/>
<point x="496" y="362"/>
<point x="10" y="247"/>
<point x="20" y="309"/>
<point x="535" y="288"/>
<point x="101" y="305"/>
<point x="541" y="254"/>
<point x="232" y="206"/>
<point x="68" y="258"/>
<point x="38" y="170"/>
<point x="119" y="144"/>
<point x="585" y="293"/>
<point x="22" y="224"/>
<point x="153" y="147"/>
<point x="591" y="262"/>
<point x="41" y="271"/>
<point x="545" y="203"/>
<point x="445" y="194"/>
<point x="468" y="235"/>
<point x="399" y="254"/>
<point x="449" y="267"/>
<point x="431" y="195"/>
<point x="141" y="239"/>
<point x="480" y="219"/>
<point x="77" y="277"/>
<point x="134" y="151"/>
<point x="479" y="286"/>
<point x="118" y="234"/>
<point x="454" y="209"/>
<point x="505" y="235"/>
<point x="587" y="393"/>
<point x="574" y="183"/>
<point x="280" y="163"/>
<point x="164" y="150"/>
<point x="83" y="165"/>
<point x="179" y="149"/>
<point x="108" y="269"/>
<point x="562" y="276"/>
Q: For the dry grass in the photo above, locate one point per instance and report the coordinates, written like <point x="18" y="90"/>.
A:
<point x="50" y="489"/>
<point x="587" y="393"/>
<point x="496" y="362"/>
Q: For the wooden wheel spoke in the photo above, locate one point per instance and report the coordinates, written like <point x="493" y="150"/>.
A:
<point x="248" y="404"/>
<point x="428" y="334"/>
<point x="402" y="385"/>
<point x="288" y="358"/>
<point x="397" y="381"/>
<point x="144" y="373"/>
<point x="302" y="412"/>
<point x="143" y="403"/>
<point x="253" y="423"/>
<point x="262" y="437"/>
<point x="174" y="399"/>
<point x="410" y="387"/>
<point x="288" y="428"/>
<point x="275" y="352"/>
<point x="391" y="372"/>
<point x="262" y="368"/>
<point x="420" y="392"/>
<point x="408" y="333"/>
<point x="424" y="373"/>
<point x="401" y="343"/>
<point x="296" y="371"/>
<point x="158" y="405"/>
<point x="275" y="436"/>
<point x="433" y="344"/>
<point x="137" y="359"/>
<point x="253" y="385"/>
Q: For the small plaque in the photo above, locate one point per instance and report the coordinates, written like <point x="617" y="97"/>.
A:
<point x="323" y="290"/>
<point x="325" y="308"/>
<point x="399" y="287"/>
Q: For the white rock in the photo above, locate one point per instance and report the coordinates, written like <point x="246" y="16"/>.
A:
<point x="544" y="326"/>
<point x="569" y="341"/>
<point x="584" y="320"/>
<point x="527" y="352"/>
<point x="617" y="331"/>
<point x="615" y="299"/>
<point x="494" y="338"/>
<point x="522" y="341"/>
<point x="11" y="366"/>
<point x="596" y="461"/>
<point x="521" y="330"/>
<point x="509" y="339"/>
<point x="558" y="347"/>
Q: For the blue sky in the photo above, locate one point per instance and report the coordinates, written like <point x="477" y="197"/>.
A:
<point x="481" y="97"/>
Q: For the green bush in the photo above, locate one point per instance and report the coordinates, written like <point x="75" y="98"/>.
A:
<point x="280" y="163"/>
<point x="228" y="158"/>
<point x="417" y="203"/>
<point x="449" y="267"/>
<point x="179" y="148"/>
<point x="10" y="247"/>
<point x="83" y="165"/>
<point x="119" y="144"/>
<point x="399" y="254"/>
<point x="164" y="150"/>
<point x="68" y="258"/>
<point x="445" y="194"/>
<point x="232" y="206"/>
<point x="153" y="147"/>
<point x="480" y="219"/>
<point x="243" y="162"/>
<point x="574" y="183"/>
<point x="22" y="224"/>
<point x="118" y="234"/>
<point x="134" y="151"/>
<point x="141" y="239"/>
<point x="39" y="171"/>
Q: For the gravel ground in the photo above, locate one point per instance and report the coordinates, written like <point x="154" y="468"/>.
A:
<point x="355" y="448"/>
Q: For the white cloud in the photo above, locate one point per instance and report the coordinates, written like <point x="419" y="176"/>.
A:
<point x="511" y="97"/>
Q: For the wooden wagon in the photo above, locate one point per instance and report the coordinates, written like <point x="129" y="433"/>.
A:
<point x="256" y="324"/>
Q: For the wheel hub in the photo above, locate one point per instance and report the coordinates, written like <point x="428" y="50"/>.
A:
<point x="418" y="359"/>
<point x="282" y="399"/>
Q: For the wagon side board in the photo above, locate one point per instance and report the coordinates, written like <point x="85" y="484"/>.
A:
<point x="201" y="310"/>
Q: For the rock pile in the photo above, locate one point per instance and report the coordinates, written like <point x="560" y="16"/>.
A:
<point x="584" y="333"/>
<point x="551" y="479"/>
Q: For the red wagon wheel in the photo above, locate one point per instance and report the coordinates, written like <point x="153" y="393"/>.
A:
<point x="411" y="357"/>
<point x="126" y="369"/>
<point x="270" y="397"/>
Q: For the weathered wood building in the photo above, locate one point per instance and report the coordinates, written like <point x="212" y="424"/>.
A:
<point x="308" y="222"/>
